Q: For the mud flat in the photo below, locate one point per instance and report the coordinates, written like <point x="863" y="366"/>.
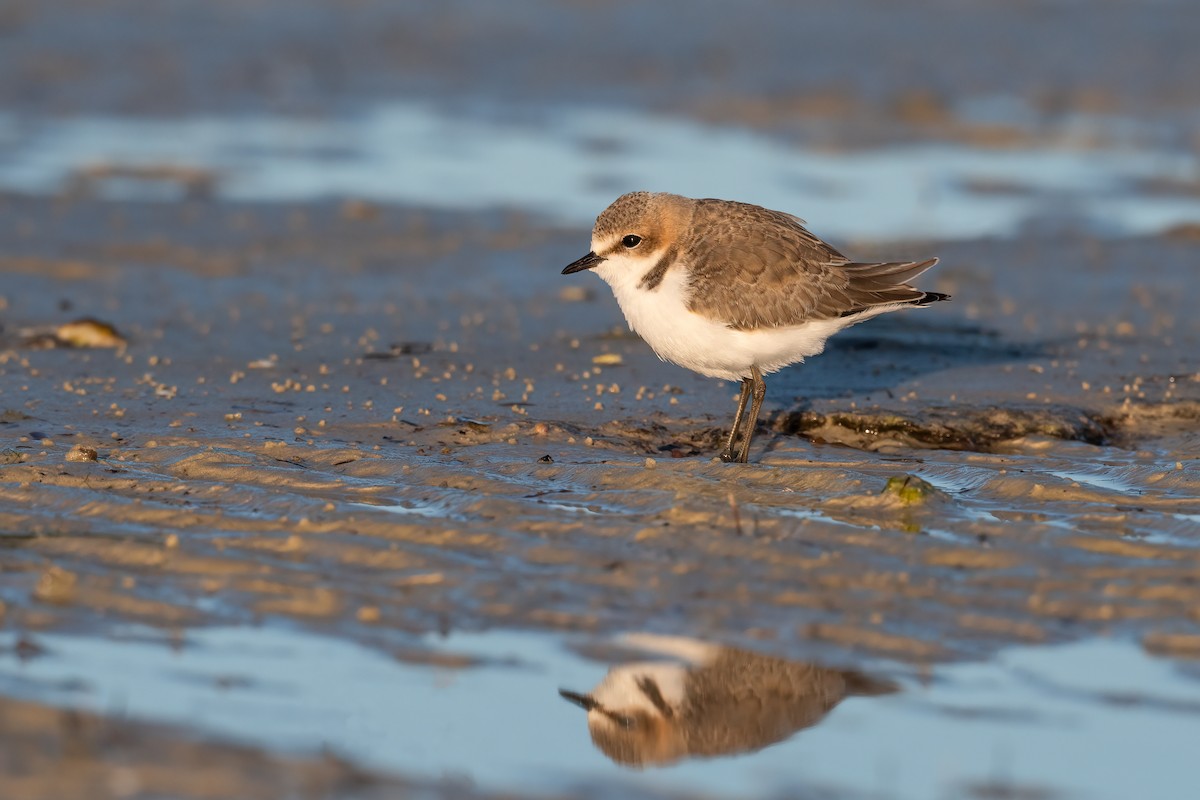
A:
<point x="382" y="422"/>
<point x="282" y="434"/>
<point x="317" y="479"/>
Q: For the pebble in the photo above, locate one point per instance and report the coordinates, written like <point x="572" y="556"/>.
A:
<point x="82" y="452"/>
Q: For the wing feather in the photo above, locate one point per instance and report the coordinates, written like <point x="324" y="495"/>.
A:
<point x="751" y="267"/>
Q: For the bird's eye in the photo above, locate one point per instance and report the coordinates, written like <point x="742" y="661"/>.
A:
<point x="631" y="241"/>
<point x="626" y="722"/>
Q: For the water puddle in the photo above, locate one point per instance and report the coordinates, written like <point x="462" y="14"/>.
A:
<point x="1105" y="482"/>
<point x="427" y="510"/>
<point x="414" y="153"/>
<point x="522" y="713"/>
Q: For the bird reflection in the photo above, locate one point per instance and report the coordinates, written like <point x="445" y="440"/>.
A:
<point x="705" y="700"/>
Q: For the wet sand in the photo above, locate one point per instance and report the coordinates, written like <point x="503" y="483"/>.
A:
<point x="284" y="438"/>
<point x="381" y="420"/>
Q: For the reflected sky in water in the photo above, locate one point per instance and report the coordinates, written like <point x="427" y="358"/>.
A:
<point x="567" y="166"/>
<point x="1100" y="718"/>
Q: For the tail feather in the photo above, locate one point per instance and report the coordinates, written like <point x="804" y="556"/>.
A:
<point x="931" y="297"/>
<point x="871" y="285"/>
<point x="891" y="272"/>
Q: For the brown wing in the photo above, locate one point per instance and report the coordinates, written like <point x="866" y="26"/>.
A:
<point x="746" y="701"/>
<point x="756" y="268"/>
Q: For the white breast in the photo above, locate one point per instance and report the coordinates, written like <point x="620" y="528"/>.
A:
<point x="710" y="347"/>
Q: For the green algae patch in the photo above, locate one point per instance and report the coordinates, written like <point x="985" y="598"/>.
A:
<point x="911" y="490"/>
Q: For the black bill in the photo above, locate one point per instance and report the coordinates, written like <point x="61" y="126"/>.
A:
<point x="584" y="701"/>
<point x="587" y="262"/>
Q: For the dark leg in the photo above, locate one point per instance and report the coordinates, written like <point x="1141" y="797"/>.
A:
<point x="727" y="453"/>
<point x="760" y="391"/>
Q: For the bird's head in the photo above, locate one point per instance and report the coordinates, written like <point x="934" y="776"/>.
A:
<point x="634" y="233"/>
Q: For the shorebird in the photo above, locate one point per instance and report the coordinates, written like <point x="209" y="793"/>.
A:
<point x="736" y="291"/>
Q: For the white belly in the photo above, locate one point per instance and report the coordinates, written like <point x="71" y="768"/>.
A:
<point x="706" y="346"/>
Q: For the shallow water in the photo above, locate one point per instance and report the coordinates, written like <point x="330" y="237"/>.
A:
<point x="569" y="164"/>
<point x="1098" y="719"/>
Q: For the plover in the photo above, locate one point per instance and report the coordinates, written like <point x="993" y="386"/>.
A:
<point x="708" y="700"/>
<point x="736" y="291"/>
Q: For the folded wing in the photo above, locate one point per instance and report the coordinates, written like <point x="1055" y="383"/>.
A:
<point x="755" y="268"/>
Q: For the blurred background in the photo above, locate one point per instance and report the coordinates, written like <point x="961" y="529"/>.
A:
<point x="873" y="120"/>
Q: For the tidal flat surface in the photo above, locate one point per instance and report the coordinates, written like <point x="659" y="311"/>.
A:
<point x="340" y="411"/>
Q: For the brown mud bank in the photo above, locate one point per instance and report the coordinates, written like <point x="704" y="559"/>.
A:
<point x="51" y="753"/>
